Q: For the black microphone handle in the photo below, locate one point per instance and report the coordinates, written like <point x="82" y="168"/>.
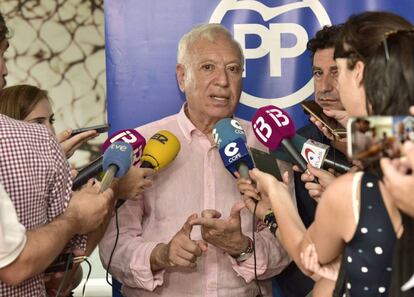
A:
<point x="291" y="150"/>
<point x="144" y="164"/>
<point x="338" y="167"/>
<point x="89" y="171"/>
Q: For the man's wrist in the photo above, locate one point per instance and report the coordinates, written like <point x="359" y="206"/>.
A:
<point x="246" y="252"/>
<point x="159" y="256"/>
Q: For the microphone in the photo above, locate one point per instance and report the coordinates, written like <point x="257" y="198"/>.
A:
<point x="230" y="138"/>
<point x="308" y="148"/>
<point x="131" y="136"/>
<point x="274" y="128"/>
<point x="161" y="150"/>
<point x="117" y="160"/>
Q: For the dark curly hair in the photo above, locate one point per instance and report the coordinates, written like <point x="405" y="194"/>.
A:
<point x="324" y="38"/>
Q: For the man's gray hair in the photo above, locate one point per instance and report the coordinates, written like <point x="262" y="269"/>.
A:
<point x="208" y="31"/>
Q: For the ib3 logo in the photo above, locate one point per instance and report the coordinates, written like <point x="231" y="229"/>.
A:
<point x="277" y="67"/>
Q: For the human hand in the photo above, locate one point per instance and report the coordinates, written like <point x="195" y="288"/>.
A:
<point x="88" y="207"/>
<point x="267" y="184"/>
<point x="181" y="251"/>
<point x="135" y="182"/>
<point x="398" y="183"/>
<point x="310" y="260"/>
<point x="324" y="177"/>
<point x="223" y="233"/>
<point x="70" y="144"/>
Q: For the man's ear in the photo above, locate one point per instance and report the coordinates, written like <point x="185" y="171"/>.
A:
<point x="359" y="72"/>
<point x="180" y="72"/>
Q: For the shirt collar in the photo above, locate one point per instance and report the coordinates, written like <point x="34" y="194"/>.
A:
<point x="186" y="126"/>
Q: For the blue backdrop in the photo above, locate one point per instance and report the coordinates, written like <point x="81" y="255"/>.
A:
<point x="142" y="37"/>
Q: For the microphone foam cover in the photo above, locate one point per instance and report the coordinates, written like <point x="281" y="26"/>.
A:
<point x="161" y="149"/>
<point x="131" y="136"/>
<point x="271" y="125"/>
<point x="120" y="154"/>
<point x="226" y="130"/>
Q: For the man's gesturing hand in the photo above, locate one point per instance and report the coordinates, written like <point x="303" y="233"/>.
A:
<point x="180" y="251"/>
<point x="223" y="233"/>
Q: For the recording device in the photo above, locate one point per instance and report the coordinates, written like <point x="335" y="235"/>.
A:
<point x="315" y="110"/>
<point x="315" y="153"/>
<point x="116" y="162"/>
<point x="373" y="137"/>
<point x="99" y="128"/>
<point x="231" y="142"/>
<point x="274" y="128"/>
<point x="131" y="136"/>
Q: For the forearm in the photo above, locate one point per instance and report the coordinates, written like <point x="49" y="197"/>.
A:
<point x="291" y="231"/>
<point x="42" y="247"/>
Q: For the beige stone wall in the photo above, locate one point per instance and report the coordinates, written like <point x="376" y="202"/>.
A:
<point x="58" y="45"/>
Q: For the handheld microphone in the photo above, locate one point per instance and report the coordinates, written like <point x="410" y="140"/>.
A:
<point x="231" y="141"/>
<point x="117" y="160"/>
<point x="274" y="128"/>
<point x="161" y="150"/>
<point x="301" y="143"/>
<point x="131" y="136"/>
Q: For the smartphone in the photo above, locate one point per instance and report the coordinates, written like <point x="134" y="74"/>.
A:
<point x="373" y="137"/>
<point x="314" y="109"/>
<point x="265" y="162"/>
<point x="99" y="128"/>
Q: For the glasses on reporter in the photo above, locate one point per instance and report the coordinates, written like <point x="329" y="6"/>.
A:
<point x="390" y="34"/>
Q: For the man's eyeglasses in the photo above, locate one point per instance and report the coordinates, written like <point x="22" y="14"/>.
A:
<point x="388" y="35"/>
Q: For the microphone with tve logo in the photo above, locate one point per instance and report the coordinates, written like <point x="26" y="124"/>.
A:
<point x="274" y="128"/>
<point x="131" y="136"/>
<point x="315" y="153"/>
<point x="231" y="142"/>
<point x="117" y="160"/>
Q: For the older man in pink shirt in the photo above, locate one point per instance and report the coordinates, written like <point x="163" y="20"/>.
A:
<point x="159" y="252"/>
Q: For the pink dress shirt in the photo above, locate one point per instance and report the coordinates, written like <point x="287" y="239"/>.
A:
<point x="195" y="181"/>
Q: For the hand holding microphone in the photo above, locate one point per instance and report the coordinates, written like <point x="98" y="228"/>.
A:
<point x="160" y="150"/>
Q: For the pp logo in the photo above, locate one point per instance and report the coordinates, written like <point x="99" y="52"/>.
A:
<point x="231" y="149"/>
<point x="271" y="46"/>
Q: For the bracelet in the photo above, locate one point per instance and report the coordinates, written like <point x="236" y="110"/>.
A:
<point x="270" y="221"/>
<point x="243" y="256"/>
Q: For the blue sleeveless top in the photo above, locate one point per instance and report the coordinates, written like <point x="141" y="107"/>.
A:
<point x="368" y="256"/>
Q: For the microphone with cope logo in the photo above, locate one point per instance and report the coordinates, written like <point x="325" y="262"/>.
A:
<point x="131" y="136"/>
<point x="117" y="160"/>
<point x="274" y="128"/>
<point x="231" y="142"/>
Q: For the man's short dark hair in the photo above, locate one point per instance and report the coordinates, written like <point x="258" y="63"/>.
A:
<point x="324" y="38"/>
<point x="4" y="32"/>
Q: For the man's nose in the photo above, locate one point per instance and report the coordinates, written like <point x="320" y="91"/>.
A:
<point x="222" y="78"/>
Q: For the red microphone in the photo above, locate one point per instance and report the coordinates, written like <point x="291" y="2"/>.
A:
<point x="273" y="127"/>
